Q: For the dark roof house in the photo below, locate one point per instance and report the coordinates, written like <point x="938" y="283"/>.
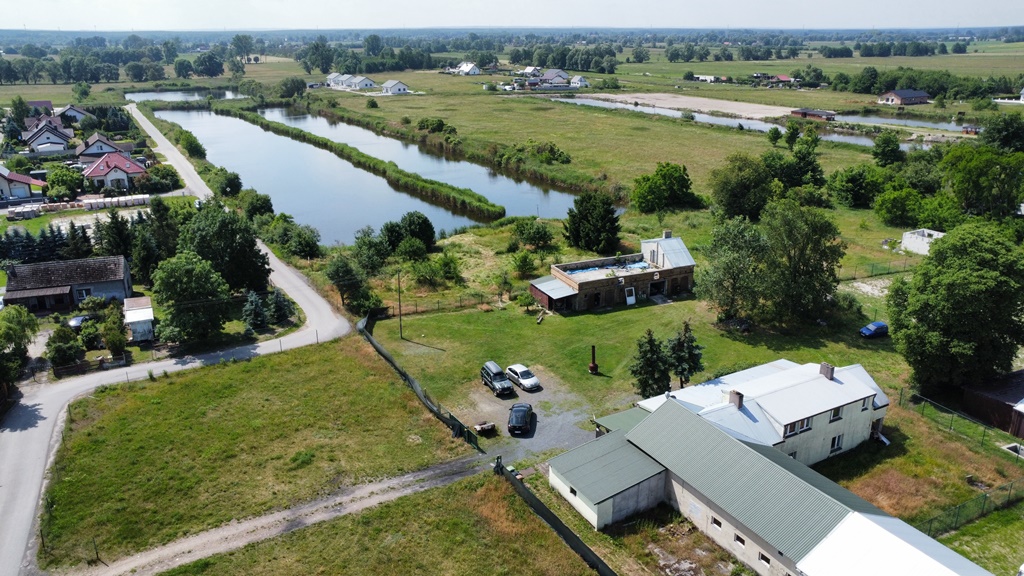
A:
<point x="63" y="284"/>
<point x="98" y="145"/>
<point x="904" y="97"/>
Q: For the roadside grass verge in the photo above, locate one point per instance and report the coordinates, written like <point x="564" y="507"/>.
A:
<point x="994" y="542"/>
<point x="145" y="463"/>
<point x="474" y="526"/>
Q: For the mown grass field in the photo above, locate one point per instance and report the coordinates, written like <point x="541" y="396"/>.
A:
<point x="995" y="542"/>
<point x="145" y="463"/>
<point x="475" y="526"/>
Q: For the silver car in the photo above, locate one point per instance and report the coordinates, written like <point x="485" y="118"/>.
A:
<point x="521" y="376"/>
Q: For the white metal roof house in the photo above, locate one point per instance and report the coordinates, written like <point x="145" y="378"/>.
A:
<point x="394" y="87"/>
<point x="467" y="69"/>
<point x="773" y="513"/>
<point x="579" y="82"/>
<point x="920" y="241"/>
<point x="359" y="83"/>
<point x="533" y="71"/>
<point x="808" y="412"/>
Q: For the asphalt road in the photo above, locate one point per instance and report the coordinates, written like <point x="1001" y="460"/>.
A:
<point x="29" y="433"/>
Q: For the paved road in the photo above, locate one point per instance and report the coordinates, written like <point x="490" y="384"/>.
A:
<point x="28" y="436"/>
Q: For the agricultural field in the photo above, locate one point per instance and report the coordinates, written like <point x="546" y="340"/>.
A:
<point x="146" y="463"/>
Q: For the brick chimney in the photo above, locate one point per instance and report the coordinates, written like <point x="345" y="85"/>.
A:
<point x="827" y="370"/>
<point x="736" y="398"/>
<point x="666" y="234"/>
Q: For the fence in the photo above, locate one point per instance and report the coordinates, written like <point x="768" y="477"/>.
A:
<point x="556" y="524"/>
<point x="983" y="437"/>
<point x="459" y="430"/>
<point x="83" y="366"/>
<point x="421" y="306"/>
<point x="876" y="269"/>
<point x="973" y="509"/>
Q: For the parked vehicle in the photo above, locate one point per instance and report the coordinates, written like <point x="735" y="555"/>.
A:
<point x="521" y="376"/>
<point x="76" y="322"/>
<point x="519" y="417"/>
<point x="494" y="378"/>
<point x="875" y="330"/>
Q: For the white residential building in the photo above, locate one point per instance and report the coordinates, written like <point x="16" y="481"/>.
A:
<point x="579" y="82"/>
<point x="359" y="83"/>
<point x="394" y="87"/>
<point x="920" y="241"/>
<point x="467" y="69"/>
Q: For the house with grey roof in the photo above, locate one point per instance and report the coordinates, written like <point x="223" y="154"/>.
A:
<point x="63" y="284"/>
<point x="394" y="87"/>
<point x="663" y="266"/>
<point x="770" y="511"/>
<point x="809" y="412"/>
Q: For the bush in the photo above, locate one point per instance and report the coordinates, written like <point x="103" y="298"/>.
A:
<point x="533" y="233"/>
<point x="90" y="336"/>
<point x="190" y="144"/>
<point x="372" y="103"/>
<point x="63" y="347"/>
<point x="411" y="249"/>
<point x="427" y="273"/>
<point x="432" y="125"/>
<point x="450" y="268"/>
<point x="523" y="264"/>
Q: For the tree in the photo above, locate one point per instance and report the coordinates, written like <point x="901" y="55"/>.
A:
<point x="242" y="46"/>
<point x="81" y="91"/>
<point x="113" y="331"/>
<point x="18" y="327"/>
<point x="523" y="264"/>
<point x="774" y="135"/>
<point x="236" y="68"/>
<point x="343" y="276"/>
<point x="417" y="225"/>
<point x="183" y="68"/>
<point x="63" y="346"/>
<point x="228" y="242"/>
<point x="803" y="250"/>
<point x="194" y="297"/>
<point x="135" y="71"/>
<point x="411" y="249"/>
<point x="291" y="86"/>
<point x="856" y="186"/>
<point x="731" y="280"/>
<point x="533" y="233"/>
<point x="209" y="65"/>
<point x="960" y="319"/>
<point x="254" y="313"/>
<point x="163" y="227"/>
<point x="650" y="367"/>
<point x="78" y="244"/>
<point x="983" y="180"/>
<point x="66" y="178"/>
<point x="190" y="144"/>
<point x="170" y="51"/>
<point x="685" y="356"/>
<point x="145" y="255"/>
<point x="19" y="111"/>
<point x="669" y="187"/>
<point x="279" y="307"/>
<point x="741" y="187"/>
<point x="887" y="149"/>
<point x="641" y="54"/>
<point x="1004" y="131"/>
<point x="792" y="134"/>
<point x="898" y="207"/>
<point x="114" y="237"/>
<point x="592" y="224"/>
<point x="373" y="45"/>
<point x="370" y="250"/>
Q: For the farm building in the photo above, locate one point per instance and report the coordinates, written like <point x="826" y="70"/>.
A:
<point x="999" y="404"/>
<point x="904" y="97"/>
<point x="663" y="267"/>
<point x="920" y="241"/>
<point x="138" y="316"/>
<point x="812" y="114"/>
<point x="772" y="512"/>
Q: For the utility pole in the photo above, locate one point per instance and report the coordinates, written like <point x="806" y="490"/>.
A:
<point x="400" y="304"/>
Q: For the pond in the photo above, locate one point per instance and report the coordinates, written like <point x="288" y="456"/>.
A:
<point x="876" y="120"/>
<point x="700" y="117"/>
<point x="520" y="198"/>
<point x="183" y="95"/>
<point x="313" y="185"/>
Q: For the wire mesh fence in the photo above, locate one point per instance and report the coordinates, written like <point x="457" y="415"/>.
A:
<point x="459" y="430"/>
<point x="980" y="436"/>
<point x="955" y="517"/>
<point x="422" y="305"/>
<point x="876" y="269"/>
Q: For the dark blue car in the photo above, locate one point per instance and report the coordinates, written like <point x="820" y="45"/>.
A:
<point x="875" y="330"/>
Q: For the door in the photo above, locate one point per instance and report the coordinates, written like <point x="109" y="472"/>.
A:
<point x="630" y="296"/>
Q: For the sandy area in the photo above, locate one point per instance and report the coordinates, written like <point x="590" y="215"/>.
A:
<point x="877" y="288"/>
<point x="698" y="104"/>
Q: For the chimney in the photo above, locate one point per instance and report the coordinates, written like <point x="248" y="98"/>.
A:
<point x="827" y="370"/>
<point x="666" y="234"/>
<point x="736" y="398"/>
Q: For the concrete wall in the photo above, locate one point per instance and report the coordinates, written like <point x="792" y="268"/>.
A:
<point x="105" y="290"/>
<point x="142" y="330"/>
<point x="587" y="509"/>
<point x="815" y="445"/>
<point x="704" y="513"/>
<point x="919" y="241"/>
<point x="641" y="497"/>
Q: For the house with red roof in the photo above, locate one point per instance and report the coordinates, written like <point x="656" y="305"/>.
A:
<point x="14" y="185"/>
<point x="114" y="170"/>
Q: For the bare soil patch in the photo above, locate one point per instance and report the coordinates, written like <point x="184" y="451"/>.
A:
<point x="878" y="287"/>
<point x="699" y="104"/>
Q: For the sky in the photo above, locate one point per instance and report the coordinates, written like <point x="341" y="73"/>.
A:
<point x="141" y="15"/>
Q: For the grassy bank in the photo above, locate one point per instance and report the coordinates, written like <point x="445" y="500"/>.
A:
<point x="475" y="526"/>
<point x="994" y="542"/>
<point x="149" y="462"/>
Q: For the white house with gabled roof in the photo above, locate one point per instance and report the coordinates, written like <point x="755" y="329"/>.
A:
<point x="807" y="411"/>
<point x="359" y="83"/>
<point x="394" y="87"/>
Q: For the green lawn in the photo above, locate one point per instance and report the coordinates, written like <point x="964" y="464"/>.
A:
<point x="475" y="526"/>
<point x="996" y="541"/>
<point x="145" y="463"/>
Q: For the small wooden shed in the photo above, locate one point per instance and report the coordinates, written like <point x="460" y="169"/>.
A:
<point x="138" y="316"/>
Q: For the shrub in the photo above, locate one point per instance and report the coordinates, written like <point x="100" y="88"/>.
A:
<point x="411" y="249"/>
<point x="372" y="103"/>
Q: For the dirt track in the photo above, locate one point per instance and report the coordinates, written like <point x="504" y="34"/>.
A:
<point x="698" y="104"/>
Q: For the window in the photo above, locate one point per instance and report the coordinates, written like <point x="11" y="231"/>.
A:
<point x="739" y="540"/>
<point x="797" y="427"/>
<point x="792" y="455"/>
<point x="837" y="443"/>
<point x="790" y="429"/>
<point x="572" y="490"/>
<point x="764" y="559"/>
<point x="837" y="414"/>
<point x="716" y="522"/>
<point x="864" y="404"/>
<point x="83" y="293"/>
